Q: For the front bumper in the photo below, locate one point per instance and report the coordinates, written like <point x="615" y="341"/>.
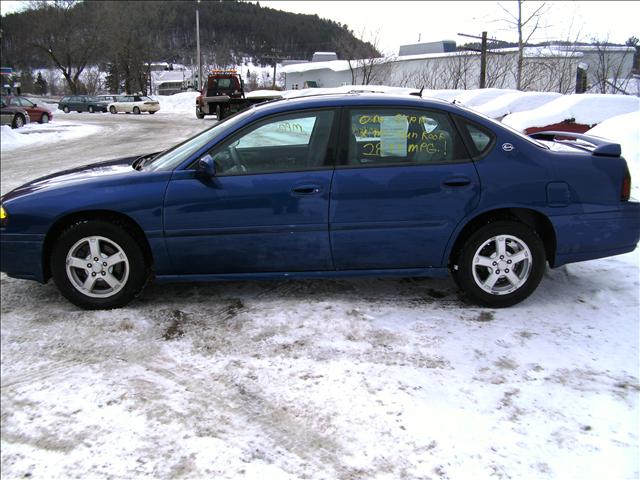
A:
<point x="21" y="256"/>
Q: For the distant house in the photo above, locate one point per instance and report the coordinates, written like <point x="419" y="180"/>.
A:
<point x="167" y="79"/>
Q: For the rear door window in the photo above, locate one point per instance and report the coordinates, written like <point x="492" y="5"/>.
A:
<point x="398" y="136"/>
<point x="479" y="139"/>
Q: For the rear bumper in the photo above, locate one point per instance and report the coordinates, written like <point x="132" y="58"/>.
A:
<point x="596" y="235"/>
<point x="21" y="256"/>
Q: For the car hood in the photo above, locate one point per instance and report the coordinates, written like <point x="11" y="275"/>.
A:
<point x="85" y="173"/>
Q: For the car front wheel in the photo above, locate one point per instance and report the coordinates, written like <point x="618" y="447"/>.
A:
<point x="113" y="109"/>
<point x="66" y="109"/>
<point x="501" y="264"/>
<point x="98" y="265"/>
<point x="136" y="111"/>
<point x="44" y="118"/>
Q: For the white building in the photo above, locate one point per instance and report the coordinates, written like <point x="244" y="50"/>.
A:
<point x="550" y="68"/>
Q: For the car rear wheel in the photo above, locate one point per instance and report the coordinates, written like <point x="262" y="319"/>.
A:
<point x="136" y="111"/>
<point x="66" y="109"/>
<point x="112" y="109"/>
<point x="501" y="264"/>
<point x="151" y="112"/>
<point x="18" y="121"/>
<point x="44" y="118"/>
<point x="199" y="114"/>
<point x="98" y="265"/>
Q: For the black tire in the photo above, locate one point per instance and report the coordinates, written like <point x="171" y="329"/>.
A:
<point x="199" y="114"/>
<point x="18" y="121"/>
<point x="91" y="109"/>
<point x="220" y="113"/>
<point x="151" y="112"/>
<point x="66" y="109"/>
<point x="44" y="118"/>
<point x="112" y="109"/>
<point x="128" y="272"/>
<point x="490" y="286"/>
<point x="136" y="111"/>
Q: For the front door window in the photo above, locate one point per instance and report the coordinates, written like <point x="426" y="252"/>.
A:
<point x="284" y="143"/>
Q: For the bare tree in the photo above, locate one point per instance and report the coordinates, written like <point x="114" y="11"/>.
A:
<point x="609" y="72"/>
<point x="526" y="25"/>
<point x="66" y="35"/>
<point x="500" y="70"/>
<point x="131" y="49"/>
<point x="365" y="67"/>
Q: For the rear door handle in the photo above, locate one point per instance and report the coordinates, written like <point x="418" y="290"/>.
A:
<point x="457" y="182"/>
<point x="306" y="190"/>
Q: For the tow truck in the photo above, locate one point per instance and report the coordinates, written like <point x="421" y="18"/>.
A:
<point x="223" y="94"/>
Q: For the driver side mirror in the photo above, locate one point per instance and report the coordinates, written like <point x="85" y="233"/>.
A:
<point x="206" y="166"/>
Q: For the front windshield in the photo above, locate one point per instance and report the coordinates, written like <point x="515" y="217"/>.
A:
<point x="176" y="155"/>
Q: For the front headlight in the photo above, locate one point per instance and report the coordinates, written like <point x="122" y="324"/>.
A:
<point x="4" y="218"/>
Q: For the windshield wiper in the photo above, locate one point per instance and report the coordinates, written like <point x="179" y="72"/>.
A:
<point x="140" y="162"/>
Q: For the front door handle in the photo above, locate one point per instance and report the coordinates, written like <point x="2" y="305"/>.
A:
<point x="457" y="182"/>
<point x="306" y="190"/>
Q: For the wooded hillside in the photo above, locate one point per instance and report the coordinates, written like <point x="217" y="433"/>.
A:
<point x="124" y="35"/>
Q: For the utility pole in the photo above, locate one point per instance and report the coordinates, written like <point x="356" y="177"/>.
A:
<point x="483" y="54"/>
<point x="275" y="56"/>
<point x="199" y="82"/>
<point x="483" y="61"/>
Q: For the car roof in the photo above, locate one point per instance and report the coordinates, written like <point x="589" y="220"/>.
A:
<point x="353" y="100"/>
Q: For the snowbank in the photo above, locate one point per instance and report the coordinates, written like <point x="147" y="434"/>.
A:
<point x="586" y="109"/>
<point x="181" y="103"/>
<point x="625" y="130"/>
<point x="37" y="134"/>
<point x="515" y="102"/>
<point x="12" y="138"/>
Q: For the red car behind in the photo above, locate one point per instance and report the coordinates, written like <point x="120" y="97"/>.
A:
<point x="36" y="113"/>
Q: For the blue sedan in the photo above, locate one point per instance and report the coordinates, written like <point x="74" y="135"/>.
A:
<point x="327" y="186"/>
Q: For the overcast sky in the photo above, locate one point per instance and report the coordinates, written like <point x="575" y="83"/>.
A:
<point x="400" y="22"/>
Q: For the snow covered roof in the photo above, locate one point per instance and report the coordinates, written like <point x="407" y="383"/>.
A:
<point x="478" y="96"/>
<point x="586" y="109"/>
<point x="335" y="65"/>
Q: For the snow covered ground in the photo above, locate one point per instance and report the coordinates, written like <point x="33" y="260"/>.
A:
<point x="324" y="379"/>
